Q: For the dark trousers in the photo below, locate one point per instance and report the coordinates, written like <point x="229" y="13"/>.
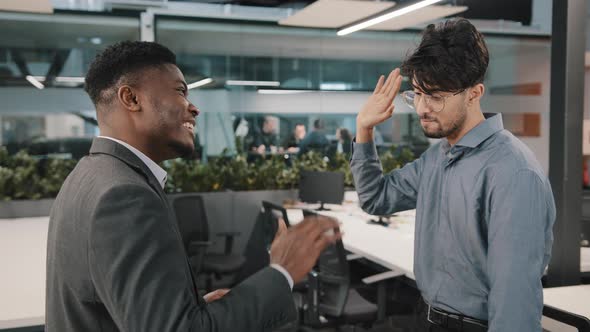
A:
<point x="422" y="324"/>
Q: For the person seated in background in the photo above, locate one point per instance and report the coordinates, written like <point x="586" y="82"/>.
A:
<point x="291" y="144"/>
<point x="344" y="140"/>
<point x="267" y="140"/>
<point x="315" y="140"/>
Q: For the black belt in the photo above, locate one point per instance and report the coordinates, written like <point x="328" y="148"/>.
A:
<point x="454" y="321"/>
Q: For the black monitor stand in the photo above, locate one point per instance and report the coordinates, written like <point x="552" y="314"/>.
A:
<point x="381" y="222"/>
<point x="322" y="208"/>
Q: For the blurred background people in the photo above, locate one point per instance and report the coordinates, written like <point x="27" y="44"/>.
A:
<point x="316" y="140"/>
<point x="291" y="143"/>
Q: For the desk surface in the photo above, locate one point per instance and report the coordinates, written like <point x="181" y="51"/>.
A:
<point x="575" y="299"/>
<point x="391" y="247"/>
<point x="23" y="244"/>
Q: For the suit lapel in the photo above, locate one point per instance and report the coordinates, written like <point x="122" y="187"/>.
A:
<point x="114" y="149"/>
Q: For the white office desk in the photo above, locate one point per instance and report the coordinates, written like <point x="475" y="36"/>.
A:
<point x="585" y="260"/>
<point x="574" y="299"/>
<point x="391" y="247"/>
<point x="23" y="247"/>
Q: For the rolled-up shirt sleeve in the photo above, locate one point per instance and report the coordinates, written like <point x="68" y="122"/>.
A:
<point x="522" y="212"/>
<point x="381" y="194"/>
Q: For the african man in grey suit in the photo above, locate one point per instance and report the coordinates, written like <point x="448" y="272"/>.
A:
<point x="115" y="259"/>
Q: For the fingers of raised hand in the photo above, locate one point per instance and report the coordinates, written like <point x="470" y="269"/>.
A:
<point x="379" y="84"/>
<point x="394" y="89"/>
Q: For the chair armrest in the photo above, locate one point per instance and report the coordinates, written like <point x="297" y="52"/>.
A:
<point x="332" y="279"/>
<point x="352" y="257"/>
<point x="198" y="246"/>
<point x="382" y="276"/>
<point x="580" y="322"/>
<point x="229" y="240"/>
<point x="229" y="233"/>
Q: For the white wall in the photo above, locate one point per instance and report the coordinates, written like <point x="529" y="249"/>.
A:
<point x="529" y="67"/>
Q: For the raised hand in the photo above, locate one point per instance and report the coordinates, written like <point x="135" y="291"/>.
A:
<point x="379" y="106"/>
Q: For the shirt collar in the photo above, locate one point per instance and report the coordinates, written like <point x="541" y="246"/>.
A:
<point x="158" y="171"/>
<point x="491" y="125"/>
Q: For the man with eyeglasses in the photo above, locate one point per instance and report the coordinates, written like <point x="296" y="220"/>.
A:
<point x="484" y="206"/>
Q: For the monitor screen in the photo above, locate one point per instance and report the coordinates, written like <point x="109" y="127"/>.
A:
<point x="321" y="187"/>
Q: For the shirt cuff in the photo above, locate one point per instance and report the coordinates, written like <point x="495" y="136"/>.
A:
<point x="364" y="150"/>
<point x="284" y="272"/>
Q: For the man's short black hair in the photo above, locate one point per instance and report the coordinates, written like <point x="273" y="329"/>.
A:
<point x="452" y="56"/>
<point x="119" y="63"/>
<point x="318" y="124"/>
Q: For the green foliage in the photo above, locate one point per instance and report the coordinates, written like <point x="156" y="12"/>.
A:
<point x="395" y="158"/>
<point x="55" y="173"/>
<point x="25" y="177"/>
<point x="23" y="181"/>
<point x="274" y="172"/>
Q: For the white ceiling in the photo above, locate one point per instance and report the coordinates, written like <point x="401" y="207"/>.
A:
<point x="339" y="13"/>
<point x="335" y="13"/>
<point x="33" y="6"/>
<point x="193" y="37"/>
<point x="273" y="41"/>
<point x="421" y="16"/>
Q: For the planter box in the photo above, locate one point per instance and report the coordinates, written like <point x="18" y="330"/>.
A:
<point x="226" y="211"/>
<point x="25" y="208"/>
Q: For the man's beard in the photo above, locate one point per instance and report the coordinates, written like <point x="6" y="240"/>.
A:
<point x="456" y="125"/>
<point x="440" y="133"/>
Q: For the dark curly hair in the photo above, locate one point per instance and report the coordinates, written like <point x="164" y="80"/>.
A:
<point x="451" y="57"/>
<point x="119" y="64"/>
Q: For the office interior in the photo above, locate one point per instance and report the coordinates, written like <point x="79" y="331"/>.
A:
<point x="258" y="70"/>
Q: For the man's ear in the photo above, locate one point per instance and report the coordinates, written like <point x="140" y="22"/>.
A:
<point x="127" y="96"/>
<point x="476" y="92"/>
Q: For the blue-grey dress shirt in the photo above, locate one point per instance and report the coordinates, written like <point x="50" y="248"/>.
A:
<point x="484" y="219"/>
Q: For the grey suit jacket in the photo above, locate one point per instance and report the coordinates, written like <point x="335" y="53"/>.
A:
<point x="115" y="259"/>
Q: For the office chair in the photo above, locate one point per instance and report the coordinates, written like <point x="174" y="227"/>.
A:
<point x="258" y="245"/>
<point x="270" y="207"/>
<point x="579" y="322"/>
<point x="330" y="299"/>
<point x="194" y="228"/>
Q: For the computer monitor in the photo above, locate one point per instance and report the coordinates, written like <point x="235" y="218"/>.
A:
<point x="321" y="187"/>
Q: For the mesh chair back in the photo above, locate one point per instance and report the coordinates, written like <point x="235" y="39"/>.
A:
<point x="334" y="278"/>
<point x="191" y="218"/>
<point x="275" y="211"/>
